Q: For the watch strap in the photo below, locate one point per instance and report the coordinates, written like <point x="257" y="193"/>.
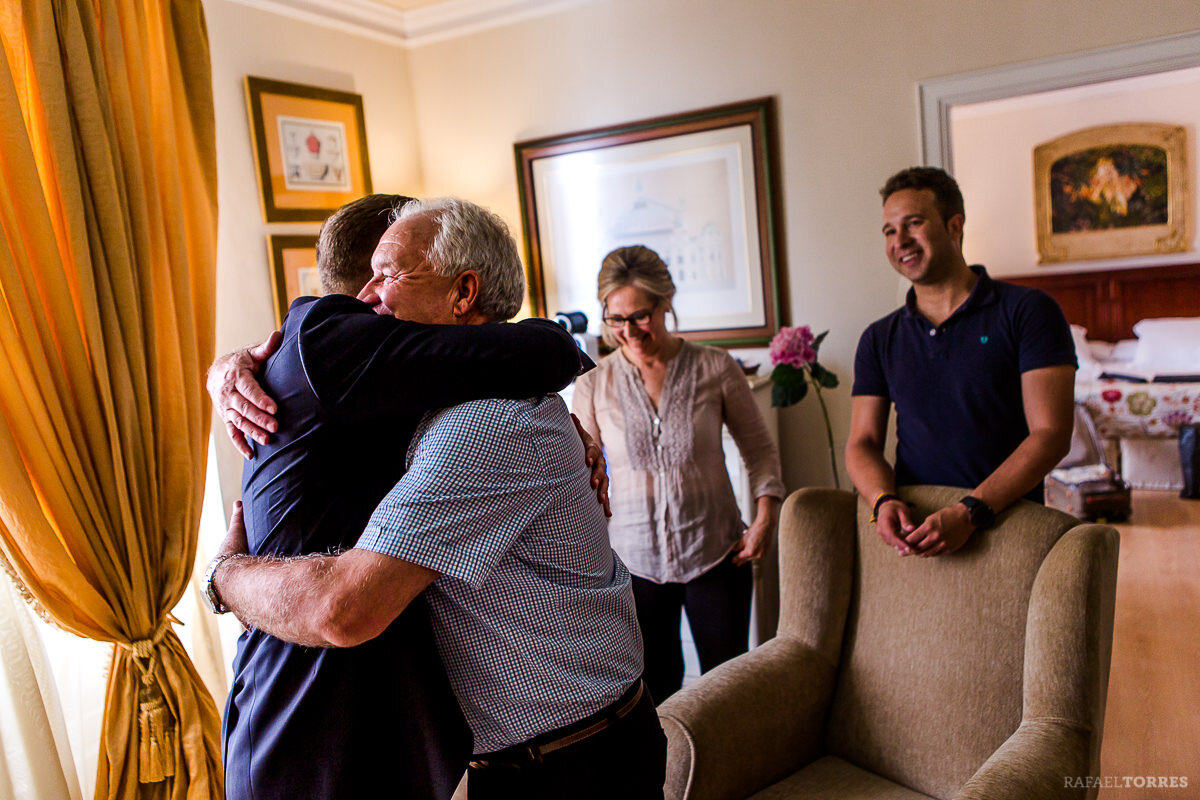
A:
<point x="210" y="590"/>
<point x="982" y="515"/>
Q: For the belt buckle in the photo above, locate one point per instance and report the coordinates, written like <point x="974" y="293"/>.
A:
<point x="530" y="754"/>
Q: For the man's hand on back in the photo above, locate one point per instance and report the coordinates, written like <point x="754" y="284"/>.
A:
<point x="244" y="407"/>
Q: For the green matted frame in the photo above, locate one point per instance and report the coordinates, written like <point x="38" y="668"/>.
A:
<point x="743" y="139"/>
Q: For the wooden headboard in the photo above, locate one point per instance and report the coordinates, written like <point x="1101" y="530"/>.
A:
<point x="1109" y="302"/>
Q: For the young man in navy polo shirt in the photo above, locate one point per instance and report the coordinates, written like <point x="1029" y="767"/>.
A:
<point x="981" y="374"/>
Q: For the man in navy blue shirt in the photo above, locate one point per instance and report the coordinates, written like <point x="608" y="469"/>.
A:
<point x="981" y="374"/>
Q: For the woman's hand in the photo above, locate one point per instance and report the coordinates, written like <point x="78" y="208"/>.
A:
<point x="754" y="544"/>
<point x="757" y="539"/>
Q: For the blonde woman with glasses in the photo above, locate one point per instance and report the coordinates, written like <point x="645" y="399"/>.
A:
<point x="656" y="406"/>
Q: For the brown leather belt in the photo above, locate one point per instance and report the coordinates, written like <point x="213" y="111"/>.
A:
<point x="521" y="754"/>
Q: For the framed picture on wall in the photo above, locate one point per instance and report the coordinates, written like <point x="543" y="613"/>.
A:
<point x="310" y="146"/>
<point x="293" y="270"/>
<point x="699" y="188"/>
<point x="1112" y="191"/>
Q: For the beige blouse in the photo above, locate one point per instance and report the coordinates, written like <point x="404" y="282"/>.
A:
<point x="674" y="512"/>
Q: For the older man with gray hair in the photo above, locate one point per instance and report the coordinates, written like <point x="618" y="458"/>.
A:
<point x="532" y="612"/>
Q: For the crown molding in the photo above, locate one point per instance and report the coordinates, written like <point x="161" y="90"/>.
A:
<point x="435" y="23"/>
<point x="359" y="17"/>
<point x="453" y="18"/>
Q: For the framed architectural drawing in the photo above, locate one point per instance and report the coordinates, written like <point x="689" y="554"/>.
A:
<point x="699" y="188"/>
<point x="1112" y="191"/>
<point x="293" y="270"/>
<point x="310" y="145"/>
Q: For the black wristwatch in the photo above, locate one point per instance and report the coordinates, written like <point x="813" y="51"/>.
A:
<point x="982" y="515"/>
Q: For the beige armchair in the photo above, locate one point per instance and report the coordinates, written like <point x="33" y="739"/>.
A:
<point x="977" y="675"/>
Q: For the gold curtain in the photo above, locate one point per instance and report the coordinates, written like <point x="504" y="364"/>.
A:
<point x="107" y="271"/>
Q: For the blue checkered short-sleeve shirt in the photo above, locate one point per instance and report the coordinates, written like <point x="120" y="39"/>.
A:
<point x="533" y="612"/>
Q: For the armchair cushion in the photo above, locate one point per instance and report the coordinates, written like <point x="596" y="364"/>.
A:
<point x="831" y="778"/>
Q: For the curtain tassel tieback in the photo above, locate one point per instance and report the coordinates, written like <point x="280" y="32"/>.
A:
<point x="156" y="726"/>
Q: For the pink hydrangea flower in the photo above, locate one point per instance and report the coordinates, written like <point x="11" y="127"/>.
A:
<point x="793" y="346"/>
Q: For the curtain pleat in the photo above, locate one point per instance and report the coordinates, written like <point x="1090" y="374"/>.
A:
<point x="107" y="262"/>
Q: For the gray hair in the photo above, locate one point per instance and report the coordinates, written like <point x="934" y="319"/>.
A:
<point x="471" y="237"/>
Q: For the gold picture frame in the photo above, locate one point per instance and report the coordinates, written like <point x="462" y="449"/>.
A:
<point x="310" y="146"/>
<point x="1112" y="191"/>
<point x="293" y="270"/>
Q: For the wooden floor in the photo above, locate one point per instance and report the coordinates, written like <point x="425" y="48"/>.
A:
<point x="1152" y="722"/>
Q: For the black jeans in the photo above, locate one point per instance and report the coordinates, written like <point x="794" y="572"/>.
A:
<point x="718" y="609"/>
<point x="627" y="761"/>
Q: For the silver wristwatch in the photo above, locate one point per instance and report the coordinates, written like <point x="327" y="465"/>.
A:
<point x="210" y="591"/>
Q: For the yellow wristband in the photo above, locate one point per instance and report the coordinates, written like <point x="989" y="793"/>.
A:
<point x="880" y="499"/>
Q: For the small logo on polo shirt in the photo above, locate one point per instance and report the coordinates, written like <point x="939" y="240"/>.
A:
<point x="983" y="339"/>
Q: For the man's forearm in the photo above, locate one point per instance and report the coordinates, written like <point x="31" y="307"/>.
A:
<point x="286" y="598"/>
<point x="1023" y="470"/>
<point x="869" y="470"/>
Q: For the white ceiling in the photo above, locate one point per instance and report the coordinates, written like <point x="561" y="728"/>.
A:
<point x="410" y="23"/>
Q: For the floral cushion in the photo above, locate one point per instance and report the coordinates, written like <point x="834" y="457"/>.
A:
<point x="1125" y="409"/>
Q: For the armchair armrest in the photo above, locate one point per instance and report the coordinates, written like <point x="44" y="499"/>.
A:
<point x="1068" y="643"/>
<point x="1042" y="760"/>
<point x="748" y="723"/>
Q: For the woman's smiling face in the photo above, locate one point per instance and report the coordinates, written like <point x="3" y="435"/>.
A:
<point x="637" y="319"/>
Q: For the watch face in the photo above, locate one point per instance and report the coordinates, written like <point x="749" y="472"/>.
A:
<point x="981" y="513"/>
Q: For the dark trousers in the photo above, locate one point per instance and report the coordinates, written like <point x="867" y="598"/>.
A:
<point x="718" y="609"/>
<point x="626" y="761"/>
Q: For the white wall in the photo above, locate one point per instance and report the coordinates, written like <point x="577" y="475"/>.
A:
<point x="845" y="74"/>
<point x="993" y="160"/>
<point x="246" y="41"/>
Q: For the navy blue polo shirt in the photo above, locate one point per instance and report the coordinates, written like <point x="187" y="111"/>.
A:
<point x="956" y="386"/>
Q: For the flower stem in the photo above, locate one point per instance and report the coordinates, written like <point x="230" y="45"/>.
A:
<point x="828" y="429"/>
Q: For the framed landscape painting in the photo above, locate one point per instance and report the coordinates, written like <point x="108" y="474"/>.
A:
<point x="1113" y="191"/>
<point x="699" y="188"/>
<point x="310" y="146"/>
<point x="293" y="270"/>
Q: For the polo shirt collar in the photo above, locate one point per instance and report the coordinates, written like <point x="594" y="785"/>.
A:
<point x="982" y="293"/>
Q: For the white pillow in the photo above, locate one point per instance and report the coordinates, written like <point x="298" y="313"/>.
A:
<point x="1171" y="344"/>
<point x="1101" y="351"/>
<point x="1124" y="350"/>
<point x="1089" y="368"/>
<point x="1083" y="350"/>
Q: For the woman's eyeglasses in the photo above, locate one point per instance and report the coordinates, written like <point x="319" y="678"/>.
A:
<point x="639" y="319"/>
